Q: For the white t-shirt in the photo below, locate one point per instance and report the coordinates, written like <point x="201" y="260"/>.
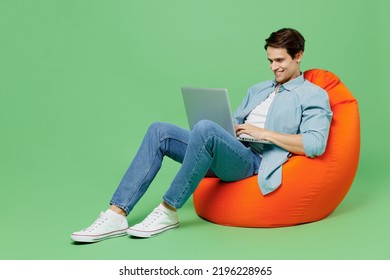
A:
<point x="258" y="117"/>
<point x="259" y="114"/>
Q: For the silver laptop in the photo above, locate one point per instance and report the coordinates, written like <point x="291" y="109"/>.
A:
<point x="211" y="104"/>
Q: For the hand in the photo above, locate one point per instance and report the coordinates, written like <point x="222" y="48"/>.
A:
<point x="250" y="129"/>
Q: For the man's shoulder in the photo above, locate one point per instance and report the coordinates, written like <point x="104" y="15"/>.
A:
<point x="309" y="93"/>
<point x="308" y="87"/>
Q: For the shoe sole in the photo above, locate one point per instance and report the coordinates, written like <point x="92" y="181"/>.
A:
<point x="97" y="238"/>
<point x="147" y="234"/>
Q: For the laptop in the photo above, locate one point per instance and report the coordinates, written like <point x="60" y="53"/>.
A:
<point x="212" y="104"/>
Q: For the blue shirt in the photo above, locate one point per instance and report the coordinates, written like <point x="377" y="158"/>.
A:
<point x="299" y="107"/>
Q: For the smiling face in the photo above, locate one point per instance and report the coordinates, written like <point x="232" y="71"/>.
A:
<point x="283" y="65"/>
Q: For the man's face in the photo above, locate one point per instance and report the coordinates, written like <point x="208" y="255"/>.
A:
<point x="283" y="65"/>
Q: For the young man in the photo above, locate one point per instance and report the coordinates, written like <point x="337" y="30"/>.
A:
<point x="288" y="111"/>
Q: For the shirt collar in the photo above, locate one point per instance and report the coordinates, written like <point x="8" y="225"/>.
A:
<point x="290" y="85"/>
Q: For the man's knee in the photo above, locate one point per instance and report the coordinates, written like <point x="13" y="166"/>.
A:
<point x="205" y="127"/>
<point x="158" y="127"/>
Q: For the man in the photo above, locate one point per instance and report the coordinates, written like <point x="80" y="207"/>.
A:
<point x="289" y="111"/>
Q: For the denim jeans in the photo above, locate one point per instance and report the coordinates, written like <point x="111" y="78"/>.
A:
<point x="207" y="148"/>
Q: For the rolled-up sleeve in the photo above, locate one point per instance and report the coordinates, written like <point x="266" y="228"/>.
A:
<point x="315" y="125"/>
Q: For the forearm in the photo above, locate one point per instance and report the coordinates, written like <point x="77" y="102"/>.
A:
<point x="289" y="142"/>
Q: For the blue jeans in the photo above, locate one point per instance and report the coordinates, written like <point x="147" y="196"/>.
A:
<point x="206" y="149"/>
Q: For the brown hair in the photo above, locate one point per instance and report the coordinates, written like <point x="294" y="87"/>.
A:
<point x="287" y="38"/>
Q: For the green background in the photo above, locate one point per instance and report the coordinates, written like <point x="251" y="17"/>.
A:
<point x="81" y="80"/>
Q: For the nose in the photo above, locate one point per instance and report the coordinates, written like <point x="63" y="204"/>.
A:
<point x="273" y="65"/>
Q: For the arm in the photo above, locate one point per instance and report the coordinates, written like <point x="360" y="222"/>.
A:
<point x="290" y="142"/>
<point x="311" y="137"/>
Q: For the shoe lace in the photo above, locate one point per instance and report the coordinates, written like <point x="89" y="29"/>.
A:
<point x="152" y="217"/>
<point x="98" y="222"/>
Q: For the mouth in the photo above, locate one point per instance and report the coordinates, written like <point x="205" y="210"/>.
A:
<point x="278" y="72"/>
<point x="279" y="75"/>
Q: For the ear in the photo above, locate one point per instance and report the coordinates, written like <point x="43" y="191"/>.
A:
<point x="298" y="56"/>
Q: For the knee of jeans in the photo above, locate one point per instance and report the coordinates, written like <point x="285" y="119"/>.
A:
<point x="205" y="128"/>
<point x="156" y="127"/>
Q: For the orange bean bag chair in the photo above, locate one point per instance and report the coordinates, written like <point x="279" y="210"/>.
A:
<point x="311" y="188"/>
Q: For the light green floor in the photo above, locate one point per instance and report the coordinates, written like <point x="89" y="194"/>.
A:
<point x="358" y="229"/>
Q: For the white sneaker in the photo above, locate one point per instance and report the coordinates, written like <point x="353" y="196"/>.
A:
<point x="109" y="224"/>
<point x="160" y="220"/>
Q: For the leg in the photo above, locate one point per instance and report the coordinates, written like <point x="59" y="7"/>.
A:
<point x="161" y="139"/>
<point x="210" y="147"/>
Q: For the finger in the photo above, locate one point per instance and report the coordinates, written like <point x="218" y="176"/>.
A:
<point x="238" y="127"/>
